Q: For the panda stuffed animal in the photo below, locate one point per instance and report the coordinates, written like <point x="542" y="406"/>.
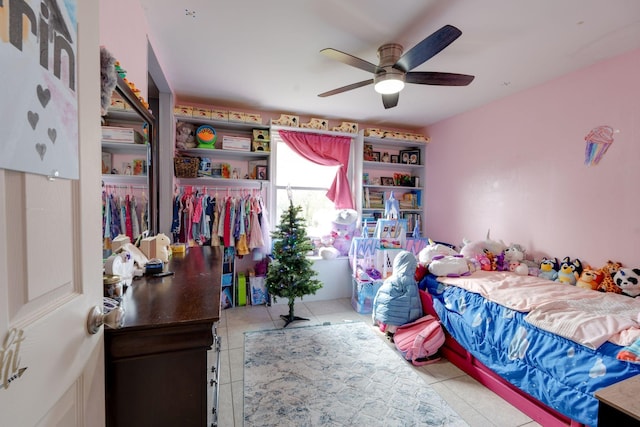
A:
<point x="628" y="280"/>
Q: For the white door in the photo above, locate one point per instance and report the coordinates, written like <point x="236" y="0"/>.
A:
<point x="51" y="368"/>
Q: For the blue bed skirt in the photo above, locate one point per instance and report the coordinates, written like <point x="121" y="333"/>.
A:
<point x="556" y="371"/>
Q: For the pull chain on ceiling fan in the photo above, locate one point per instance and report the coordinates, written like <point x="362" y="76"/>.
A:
<point x="394" y="68"/>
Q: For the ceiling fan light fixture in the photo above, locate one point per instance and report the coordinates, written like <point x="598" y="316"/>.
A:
<point x="389" y="82"/>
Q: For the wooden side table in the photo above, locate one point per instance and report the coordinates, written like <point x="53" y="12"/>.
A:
<point x="620" y="403"/>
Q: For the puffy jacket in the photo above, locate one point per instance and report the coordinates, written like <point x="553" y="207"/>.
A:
<point x="397" y="302"/>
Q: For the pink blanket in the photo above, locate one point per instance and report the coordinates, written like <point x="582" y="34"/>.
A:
<point x="587" y="317"/>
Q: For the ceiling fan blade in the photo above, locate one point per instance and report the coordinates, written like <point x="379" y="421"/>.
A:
<point x="427" y="48"/>
<point x="350" y="60"/>
<point x="346" y="88"/>
<point x="390" y="100"/>
<point x="438" y="79"/>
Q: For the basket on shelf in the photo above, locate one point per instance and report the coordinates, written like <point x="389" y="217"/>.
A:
<point x="186" y="167"/>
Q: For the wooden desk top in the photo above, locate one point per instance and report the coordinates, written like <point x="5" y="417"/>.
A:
<point x="623" y="396"/>
<point x="173" y="312"/>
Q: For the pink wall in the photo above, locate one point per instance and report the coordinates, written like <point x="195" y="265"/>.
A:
<point x="123" y="31"/>
<point x="516" y="166"/>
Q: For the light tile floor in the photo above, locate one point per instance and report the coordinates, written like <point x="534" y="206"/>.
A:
<point x="477" y="405"/>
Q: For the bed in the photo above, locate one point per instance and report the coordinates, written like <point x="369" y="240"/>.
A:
<point x="517" y="336"/>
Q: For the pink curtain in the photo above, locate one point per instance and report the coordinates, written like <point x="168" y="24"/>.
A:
<point x="326" y="150"/>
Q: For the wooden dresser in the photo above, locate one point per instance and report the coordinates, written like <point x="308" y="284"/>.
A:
<point x="156" y="364"/>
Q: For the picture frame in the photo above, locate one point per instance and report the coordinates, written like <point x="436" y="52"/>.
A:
<point x="387" y="181"/>
<point x="410" y="157"/>
<point x="395" y="158"/>
<point x="368" y="153"/>
<point x="262" y="172"/>
<point x="252" y="173"/>
<point x="375" y="156"/>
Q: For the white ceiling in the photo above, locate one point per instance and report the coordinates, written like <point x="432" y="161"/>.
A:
<point x="264" y="54"/>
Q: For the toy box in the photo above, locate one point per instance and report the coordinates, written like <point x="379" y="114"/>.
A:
<point x="183" y="110"/>
<point x="363" y="295"/>
<point x="237" y="143"/>
<point x="121" y="134"/>
<point x="236" y="116"/>
<point x="220" y="115"/>
<point x="201" y="113"/>
<point x="258" y="289"/>
<point x="253" y="118"/>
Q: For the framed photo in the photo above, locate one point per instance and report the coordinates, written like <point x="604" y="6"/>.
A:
<point x="385" y="180"/>
<point x="395" y="158"/>
<point x="385" y="158"/>
<point x="368" y="153"/>
<point x="410" y="157"/>
<point x="375" y="156"/>
<point x="262" y="172"/>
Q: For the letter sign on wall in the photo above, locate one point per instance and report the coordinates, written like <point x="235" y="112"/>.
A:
<point x="38" y="89"/>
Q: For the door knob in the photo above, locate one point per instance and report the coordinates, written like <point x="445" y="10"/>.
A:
<point x="113" y="319"/>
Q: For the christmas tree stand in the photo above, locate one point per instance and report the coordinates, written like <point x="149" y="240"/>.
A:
<point x="289" y="318"/>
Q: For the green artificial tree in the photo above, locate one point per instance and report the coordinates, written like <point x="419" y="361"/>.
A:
<point x="290" y="274"/>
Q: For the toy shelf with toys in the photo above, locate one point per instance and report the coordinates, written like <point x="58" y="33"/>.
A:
<point x="221" y="147"/>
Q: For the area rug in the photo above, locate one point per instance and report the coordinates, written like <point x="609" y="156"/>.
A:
<point x="335" y="375"/>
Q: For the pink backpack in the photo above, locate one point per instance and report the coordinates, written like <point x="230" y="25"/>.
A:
<point x="420" y="340"/>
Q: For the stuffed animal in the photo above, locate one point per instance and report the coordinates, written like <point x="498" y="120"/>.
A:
<point x="628" y="280"/>
<point x="569" y="271"/>
<point x="449" y="265"/>
<point x="108" y="78"/>
<point x="514" y="253"/>
<point x="434" y="249"/>
<point x="471" y="249"/>
<point x="482" y="262"/>
<point x="608" y="271"/>
<point x="589" y="279"/>
<point x="549" y="268"/>
<point x="185" y="135"/>
<point x="519" y="268"/>
<point x="501" y="262"/>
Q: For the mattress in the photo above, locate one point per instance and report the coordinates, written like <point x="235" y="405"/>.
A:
<point x="560" y="373"/>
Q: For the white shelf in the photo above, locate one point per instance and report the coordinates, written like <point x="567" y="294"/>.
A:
<point x="394" y="166"/>
<point x="224" y="154"/>
<point x="124" y="179"/>
<point x="222" y="182"/>
<point x="396" y="143"/>
<point x="400" y="188"/>
<point x="242" y="126"/>
<point x="124" y="148"/>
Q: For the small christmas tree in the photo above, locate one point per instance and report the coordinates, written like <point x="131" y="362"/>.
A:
<point x="290" y="274"/>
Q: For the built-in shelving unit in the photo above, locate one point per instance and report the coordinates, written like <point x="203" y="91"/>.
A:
<point x="392" y="166"/>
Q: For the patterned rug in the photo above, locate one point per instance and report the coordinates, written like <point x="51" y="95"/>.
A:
<point x="335" y="375"/>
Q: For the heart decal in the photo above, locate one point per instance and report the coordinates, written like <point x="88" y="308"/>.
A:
<point x="41" y="149"/>
<point x="33" y="119"/>
<point x="44" y="95"/>
<point x="52" y="134"/>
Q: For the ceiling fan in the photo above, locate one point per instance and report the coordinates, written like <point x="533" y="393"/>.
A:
<point x="394" y="69"/>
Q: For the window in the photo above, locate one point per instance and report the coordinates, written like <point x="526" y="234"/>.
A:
<point x="309" y="184"/>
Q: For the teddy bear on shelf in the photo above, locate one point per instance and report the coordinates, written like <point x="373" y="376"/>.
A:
<point x="185" y="135"/>
<point x="569" y="271"/>
<point x="549" y="268"/>
<point x="628" y="280"/>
